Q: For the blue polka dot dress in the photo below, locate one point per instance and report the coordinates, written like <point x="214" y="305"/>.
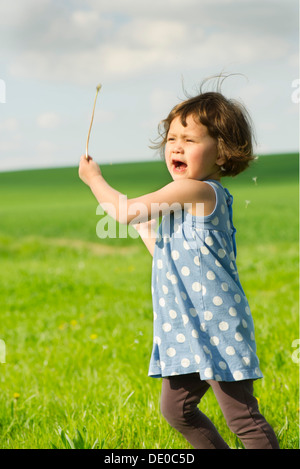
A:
<point x="202" y="319"/>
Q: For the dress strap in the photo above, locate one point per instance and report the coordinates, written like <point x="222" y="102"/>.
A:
<point x="229" y="201"/>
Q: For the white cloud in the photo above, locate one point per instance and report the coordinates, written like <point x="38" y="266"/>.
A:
<point x="115" y="39"/>
<point x="48" y="120"/>
<point x="10" y="124"/>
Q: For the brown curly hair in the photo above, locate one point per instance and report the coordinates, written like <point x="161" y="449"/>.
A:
<point x="227" y="121"/>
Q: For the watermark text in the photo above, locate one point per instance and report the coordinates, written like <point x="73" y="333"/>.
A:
<point x="134" y="218"/>
<point x="2" y="91"/>
<point x="2" y="351"/>
<point x="296" y="353"/>
<point x="296" y="93"/>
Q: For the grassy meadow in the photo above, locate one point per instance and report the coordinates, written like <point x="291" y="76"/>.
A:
<point x="76" y="310"/>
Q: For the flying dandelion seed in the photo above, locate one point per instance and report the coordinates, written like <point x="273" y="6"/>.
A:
<point x="255" y="180"/>
<point x="247" y="202"/>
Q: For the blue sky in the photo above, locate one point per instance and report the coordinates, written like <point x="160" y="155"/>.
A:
<point x="54" y="53"/>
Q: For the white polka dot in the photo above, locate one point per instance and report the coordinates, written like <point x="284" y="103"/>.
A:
<point x="215" y="221"/>
<point x="185" y="271"/>
<point x="186" y="245"/>
<point x="238" y="375"/>
<point x="221" y="253"/>
<point x="238" y="337"/>
<point x="222" y="365"/>
<point x="203" y="326"/>
<point x="166" y="327"/>
<point x="214" y="340"/>
<point x="203" y="289"/>
<point x="162" y="302"/>
<point x="172" y="314"/>
<point x="196" y="260"/>
<point x="237" y="298"/>
<point x="176" y="228"/>
<point x="162" y="365"/>
<point x="224" y="286"/>
<point x="206" y="349"/>
<point x="193" y="312"/>
<point x="208" y="373"/>
<point x="173" y="279"/>
<point x="197" y="359"/>
<point x="252" y="336"/>
<point x="159" y="264"/>
<point x="232" y="311"/>
<point x="185" y="362"/>
<point x="154" y="315"/>
<point x="196" y="286"/>
<point x="210" y="275"/>
<point x="204" y="250"/>
<point x="218" y="263"/>
<point x="246" y="361"/>
<point x="231" y="266"/>
<point x="157" y="340"/>
<point x="165" y="289"/>
<point x="223" y="209"/>
<point x="175" y="255"/>
<point x="208" y="315"/>
<point x="230" y="350"/>
<point x="247" y="310"/>
<point x="168" y="275"/>
<point x="257" y="371"/>
<point x="228" y="224"/>
<point x="232" y="256"/>
<point x="218" y="378"/>
<point x="183" y="295"/>
<point x="217" y="300"/>
<point x="209" y="240"/>
<point x="171" y="352"/>
<point x="223" y="326"/>
<point x="185" y="319"/>
<point x="180" y="338"/>
<point x="244" y="323"/>
<point x="195" y="334"/>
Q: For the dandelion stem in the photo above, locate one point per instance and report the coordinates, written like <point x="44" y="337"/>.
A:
<point x="88" y="137"/>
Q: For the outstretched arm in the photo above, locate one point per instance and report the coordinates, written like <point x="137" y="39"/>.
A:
<point x="152" y="205"/>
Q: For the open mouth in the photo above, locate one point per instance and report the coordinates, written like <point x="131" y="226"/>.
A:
<point x="179" y="166"/>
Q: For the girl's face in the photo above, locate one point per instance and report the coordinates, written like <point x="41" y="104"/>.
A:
<point x="190" y="152"/>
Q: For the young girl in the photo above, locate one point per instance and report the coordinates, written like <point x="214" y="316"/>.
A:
<point x="203" y="328"/>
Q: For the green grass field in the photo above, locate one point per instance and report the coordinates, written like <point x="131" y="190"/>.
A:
<point x="76" y="311"/>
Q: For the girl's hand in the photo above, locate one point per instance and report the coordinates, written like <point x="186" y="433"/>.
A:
<point x="88" y="169"/>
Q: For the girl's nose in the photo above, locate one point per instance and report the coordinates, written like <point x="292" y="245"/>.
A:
<point x="178" y="149"/>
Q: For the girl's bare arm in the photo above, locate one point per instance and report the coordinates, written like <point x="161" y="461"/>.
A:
<point x="145" y="207"/>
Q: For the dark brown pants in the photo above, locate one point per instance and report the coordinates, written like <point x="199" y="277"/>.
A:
<point x="181" y="396"/>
